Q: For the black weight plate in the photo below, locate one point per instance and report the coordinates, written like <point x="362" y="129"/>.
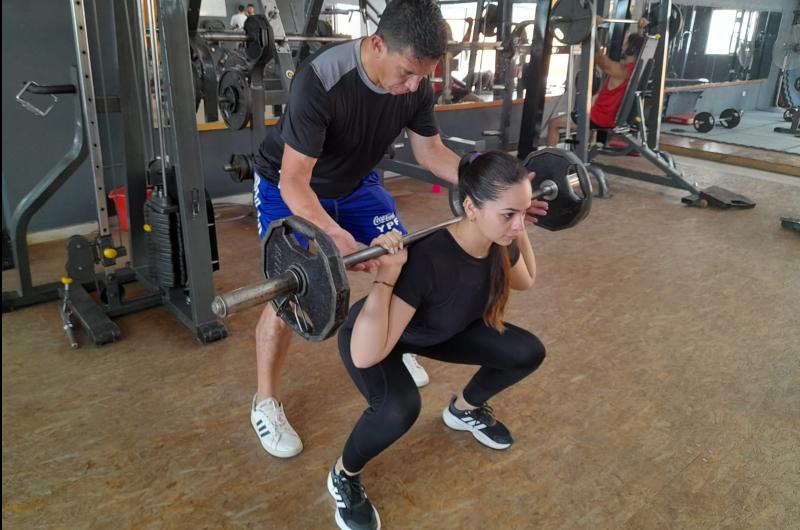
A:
<point x="571" y="21"/>
<point x="317" y="311"/>
<point x="260" y="41"/>
<point x="559" y="166"/>
<point x="234" y="98"/>
<point x="730" y="118"/>
<point x="703" y="122"/>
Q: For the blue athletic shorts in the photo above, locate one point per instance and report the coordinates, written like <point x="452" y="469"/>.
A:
<point x="367" y="212"/>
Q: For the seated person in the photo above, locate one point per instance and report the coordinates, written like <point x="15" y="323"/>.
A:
<point x="458" y="89"/>
<point x="609" y="97"/>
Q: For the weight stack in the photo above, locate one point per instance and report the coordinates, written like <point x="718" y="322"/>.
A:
<point x="165" y="242"/>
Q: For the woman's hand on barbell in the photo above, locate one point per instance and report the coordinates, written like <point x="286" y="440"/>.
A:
<point x="537" y="207"/>
<point x="392" y="242"/>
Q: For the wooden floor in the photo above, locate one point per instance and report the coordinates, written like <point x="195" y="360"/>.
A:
<point x="670" y="396"/>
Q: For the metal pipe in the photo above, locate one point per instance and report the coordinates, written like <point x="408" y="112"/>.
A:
<point x="146" y="74"/>
<point x="154" y="47"/>
<point x="376" y="252"/>
<point x="240" y="36"/>
<point x="569" y="20"/>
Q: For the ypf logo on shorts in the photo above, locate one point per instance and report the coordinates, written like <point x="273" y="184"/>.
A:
<point x="385" y="223"/>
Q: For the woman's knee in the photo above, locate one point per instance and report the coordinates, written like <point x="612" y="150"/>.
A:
<point x="529" y="353"/>
<point x="399" y="412"/>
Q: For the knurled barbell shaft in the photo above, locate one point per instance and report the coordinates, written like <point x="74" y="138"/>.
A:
<point x="241" y="36"/>
<point x="289" y="282"/>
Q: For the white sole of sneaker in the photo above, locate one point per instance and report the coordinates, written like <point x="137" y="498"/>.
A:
<point x="275" y="452"/>
<point x="420" y="379"/>
<point x="339" y="521"/>
<point x="458" y="425"/>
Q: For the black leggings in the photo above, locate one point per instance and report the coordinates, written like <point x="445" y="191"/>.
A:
<point x="393" y="398"/>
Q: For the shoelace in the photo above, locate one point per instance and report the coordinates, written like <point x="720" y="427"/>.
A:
<point x="485" y="414"/>
<point x="274" y="414"/>
<point x="354" y="489"/>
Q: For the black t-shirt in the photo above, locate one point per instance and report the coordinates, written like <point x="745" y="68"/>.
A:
<point x="337" y="115"/>
<point x="448" y="287"/>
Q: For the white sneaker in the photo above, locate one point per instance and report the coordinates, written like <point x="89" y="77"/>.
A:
<point x="416" y="370"/>
<point x="273" y="429"/>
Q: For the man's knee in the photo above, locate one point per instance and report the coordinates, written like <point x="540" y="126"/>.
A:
<point x="270" y="324"/>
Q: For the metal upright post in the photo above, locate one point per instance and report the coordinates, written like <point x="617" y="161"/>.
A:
<point x="535" y="80"/>
<point x="584" y="103"/>
<point x="508" y="74"/>
<point x="659" y="77"/>
<point x="473" y="51"/>
<point x="137" y="117"/>
<point x="191" y="304"/>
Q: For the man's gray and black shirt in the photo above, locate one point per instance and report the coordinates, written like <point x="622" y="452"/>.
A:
<point x="337" y="115"/>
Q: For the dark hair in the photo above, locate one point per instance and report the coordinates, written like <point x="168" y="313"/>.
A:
<point x="635" y="42"/>
<point x="483" y="178"/>
<point x="414" y="24"/>
<point x="241" y="8"/>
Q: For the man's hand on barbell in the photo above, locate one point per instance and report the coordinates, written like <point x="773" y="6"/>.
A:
<point x="346" y="244"/>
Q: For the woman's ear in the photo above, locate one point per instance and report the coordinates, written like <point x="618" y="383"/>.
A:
<point x="470" y="210"/>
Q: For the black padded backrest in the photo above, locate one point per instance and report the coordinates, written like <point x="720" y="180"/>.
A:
<point x="638" y="80"/>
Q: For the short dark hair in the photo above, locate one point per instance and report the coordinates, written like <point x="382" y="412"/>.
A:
<point x="635" y="42"/>
<point x="241" y="7"/>
<point x="414" y="24"/>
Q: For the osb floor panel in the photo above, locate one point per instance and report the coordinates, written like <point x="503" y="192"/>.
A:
<point x="670" y="397"/>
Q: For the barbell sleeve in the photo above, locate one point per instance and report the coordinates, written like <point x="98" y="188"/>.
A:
<point x="290" y="282"/>
<point x="256" y="294"/>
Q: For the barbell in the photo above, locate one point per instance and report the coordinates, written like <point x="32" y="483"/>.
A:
<point x="307" y="284"/>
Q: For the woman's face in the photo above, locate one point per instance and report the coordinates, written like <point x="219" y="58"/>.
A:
<point x="503" y="219"/>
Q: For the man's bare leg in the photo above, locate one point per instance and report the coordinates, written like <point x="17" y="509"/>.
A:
<point x="273" y="337"/>
<point x="554" y="127"/>
<point x="277" y="436"/>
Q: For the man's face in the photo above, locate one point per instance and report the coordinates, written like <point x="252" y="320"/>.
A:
<point x="399" y="72"/>
<point x="251" y="11"/>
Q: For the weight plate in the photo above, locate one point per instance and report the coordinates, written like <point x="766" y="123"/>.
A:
<point x="234" y="98"/>
<point x="320" y="307"/>
<point x="703" y="122"/>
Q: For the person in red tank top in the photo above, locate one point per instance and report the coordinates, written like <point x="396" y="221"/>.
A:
<point x="612" y="90"/>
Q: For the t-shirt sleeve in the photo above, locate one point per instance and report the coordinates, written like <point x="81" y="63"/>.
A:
<point x="305" y="123"/>
<point x="416" y="279"/>
<point x="424" y="122"/>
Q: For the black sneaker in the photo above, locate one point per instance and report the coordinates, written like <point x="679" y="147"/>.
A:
<point x="353" y="509"/>
<point x="480" y="422"/>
